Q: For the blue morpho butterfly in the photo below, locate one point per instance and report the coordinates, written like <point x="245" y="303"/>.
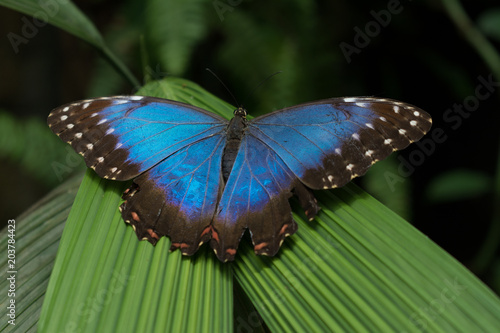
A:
<point x="199" y="178"/>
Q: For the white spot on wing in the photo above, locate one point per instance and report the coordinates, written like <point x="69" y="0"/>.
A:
<point x="70" y="126"/>
<point x="402" y="131"/>
<point x="136" y="98"/>
<point x="349" y="99"/>
<point x="118" y="145"/>
<point x="66" y="109"/>
<point x="413" y="123"/>
<point x="78" y="135"/>
<point x="369" y="153"/>
<point x="109" y="131"/>
<point x="382" y="118"/>
<point x="330" y="178"/>
<point x="63" y="118"/>
<point x="361" y="105"/>
<point x="369" y="125"/>
<point x="93" y="114"/>
<point x="100" y="159"/>
<point x="387" y="141"/>
<point x="102" y="121"/>
<point x="416" y="114"/>
<point x="396" y="109"/>
<point x="355" y="136"/>
<point x="349" y="166"/>
<point x="86" y="105"/>
<point x="338" y="151"/>
<point x="114" y="169"/>
<point x="90" y="146"/>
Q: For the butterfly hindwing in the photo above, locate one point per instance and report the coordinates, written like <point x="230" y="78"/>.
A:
<point x="123" y="136"/>
<point x="327" y="143"/>
<point x="178" y="197"/>
<point x="255" y="197"/>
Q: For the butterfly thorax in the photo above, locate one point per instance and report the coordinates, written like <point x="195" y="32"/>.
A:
<point x="234" y="134"/>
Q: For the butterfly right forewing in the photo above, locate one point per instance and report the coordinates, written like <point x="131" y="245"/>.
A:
<point x="329" y="142"/>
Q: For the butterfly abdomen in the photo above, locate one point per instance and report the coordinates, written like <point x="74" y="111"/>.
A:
<point x="234" y="135"/>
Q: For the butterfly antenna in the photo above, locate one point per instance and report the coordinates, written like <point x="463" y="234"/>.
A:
<point x="260" y="84"/>
<point x="224" y="85"/>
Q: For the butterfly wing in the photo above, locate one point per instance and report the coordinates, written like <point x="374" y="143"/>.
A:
<point x="177" y="198"/>
<point x="327" y="143"/>
<point x="120" y="137"/>
<point x="175" y="150"/>
<point x="255" y="197"/>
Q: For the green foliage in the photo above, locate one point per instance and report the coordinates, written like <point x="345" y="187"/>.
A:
<point x="174" y="28"/>
<point x="459" y="185"/>
<point x="385" y="184"/>
<point x="36" y="247"/>
<point x="489" y="23"/>
<point x="65" y="15"/>
<point x="32" y="146"/>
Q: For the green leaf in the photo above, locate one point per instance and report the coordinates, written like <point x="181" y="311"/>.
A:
<point x="36" y="239"/>
<point x="65" y="15"/>
<point x="385" y="183"/>
<point x="31" y="145"/>
<point x="62" y="14"/>
<point x="459" y="185"/>
<point x="489" y="23"/>
<point x="361" y="268"/>
<point x="174" y="28"/>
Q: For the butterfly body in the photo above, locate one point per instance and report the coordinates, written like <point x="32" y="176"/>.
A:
<point x="235" y="131"/>
<point x="198" y="178"/>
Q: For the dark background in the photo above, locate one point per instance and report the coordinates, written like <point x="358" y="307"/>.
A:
<point x="415" y="54"/>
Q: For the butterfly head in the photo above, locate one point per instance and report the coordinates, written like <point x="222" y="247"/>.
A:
<point x="240" y="112"/>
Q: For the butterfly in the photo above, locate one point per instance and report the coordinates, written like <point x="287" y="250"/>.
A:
<point x="199" y="178"/>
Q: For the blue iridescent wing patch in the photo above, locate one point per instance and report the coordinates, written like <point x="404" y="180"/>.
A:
<point x="339" y="138"/>
<point x="199" y="178"/>
<point x="120" y="137"/>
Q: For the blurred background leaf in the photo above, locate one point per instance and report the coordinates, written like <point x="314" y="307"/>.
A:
<point x="173" y="29"/>
<point x="489" y="23"/>
<point x="459" y="185"/>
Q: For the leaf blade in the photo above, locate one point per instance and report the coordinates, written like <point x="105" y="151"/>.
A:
<point x="362" y="268"/>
